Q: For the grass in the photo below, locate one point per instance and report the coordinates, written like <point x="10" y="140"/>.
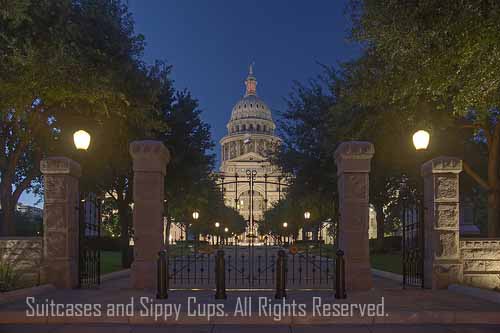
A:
<point x="389" y="262"/>
<point x="111" y="261"/>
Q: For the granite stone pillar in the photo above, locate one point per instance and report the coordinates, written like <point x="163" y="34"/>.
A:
<point x="353" y="168"/>
<point x="150" y="159"/>
<point x="442" y="264"/>
<point x="60" y="220"/>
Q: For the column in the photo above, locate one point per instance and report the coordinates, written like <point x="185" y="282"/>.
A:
<point x="441" y="222"/>
<point x="150" y="159"/>
<point x="60" y="220"/>
<point x="353" y="168"/>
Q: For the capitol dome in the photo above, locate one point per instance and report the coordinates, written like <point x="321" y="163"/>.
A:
<point x="251" y="127"/>
<point x="250" y="114"/>
<point x="251" y="106"/>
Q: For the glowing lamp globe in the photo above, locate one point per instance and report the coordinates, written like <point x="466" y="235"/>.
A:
<point x="196" y="215"/>
<point x="421" y="139"/>
<point x="285" y="224"/>
<point x="226" y="229"/>
<point x="307" y="215"/>
<point x="217" y="224"/>
<point x="81" y="140"/>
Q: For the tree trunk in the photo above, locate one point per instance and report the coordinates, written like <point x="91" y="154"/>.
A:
<point x="124" y="217"/>
<point x="380" y="227"/>
<point x="7" y="216"/>
<point x="493" y="214"/>
<point x="493" y="181"/>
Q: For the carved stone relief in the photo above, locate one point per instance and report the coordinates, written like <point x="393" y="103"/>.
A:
<point x="55" y="187"/>
<point x="446" y="216"/>
<point x="446" y="187"/>
<point x="355" y="187"/>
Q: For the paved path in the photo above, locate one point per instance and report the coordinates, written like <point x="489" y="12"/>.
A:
<point x="250" y="329"/>
<point x="434" y="311"/>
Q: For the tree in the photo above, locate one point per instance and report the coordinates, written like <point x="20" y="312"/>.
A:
<point x="108" y="165"/>
<point x="188" y="183"/>
<point x="56" y="62"/>
<point x="439" y="57"/>
<point x="306" y="153"/>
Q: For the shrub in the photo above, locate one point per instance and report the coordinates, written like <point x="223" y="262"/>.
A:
<point x="8" y="276"/>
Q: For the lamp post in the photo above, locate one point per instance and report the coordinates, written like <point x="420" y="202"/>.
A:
<point x="285" y="225"/>
<point x="224" y="240"/>
<point x="217" y="225"/>
<point x="421" y="139"/>
<point x="307" y="217"/>
<point x="196" y="216"/>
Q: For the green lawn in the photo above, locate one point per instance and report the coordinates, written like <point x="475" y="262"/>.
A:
<point x="110" y="262"/>
<point x="389" y="262"/>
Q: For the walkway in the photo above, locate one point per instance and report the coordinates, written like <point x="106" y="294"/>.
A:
<point x="437" y="311"/>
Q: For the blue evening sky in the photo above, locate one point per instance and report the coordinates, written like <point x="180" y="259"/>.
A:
<point x="210" y="44"/>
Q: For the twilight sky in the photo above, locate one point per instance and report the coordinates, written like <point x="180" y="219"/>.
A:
<point x="210" y="44"/>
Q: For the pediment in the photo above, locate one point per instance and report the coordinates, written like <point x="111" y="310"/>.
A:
<point x="251" y="156"/>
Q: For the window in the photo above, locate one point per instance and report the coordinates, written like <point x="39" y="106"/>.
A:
<point x="251" y="127"/>
<point x="264" y="128"/>
<point x="237" y="128"/>
<point x="258" y="127"/>
<point x="243" y="127"/>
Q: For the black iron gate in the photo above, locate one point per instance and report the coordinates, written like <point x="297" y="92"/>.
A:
<point x="251" y="263"/>
<point x="250" y="266"/>
<point x="310" y="265"/>
<point x="89" y="263"/>
<point x="412" y="210"/>
<point x="251" y="178"/>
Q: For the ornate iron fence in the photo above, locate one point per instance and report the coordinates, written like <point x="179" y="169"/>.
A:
<point x="412" y="210"/>
<point x="89" y="263"/>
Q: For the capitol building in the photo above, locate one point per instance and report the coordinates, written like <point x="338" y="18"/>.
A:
<point x="251" y="184"/>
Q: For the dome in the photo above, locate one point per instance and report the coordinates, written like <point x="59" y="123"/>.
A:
<point x="251" y="106"/>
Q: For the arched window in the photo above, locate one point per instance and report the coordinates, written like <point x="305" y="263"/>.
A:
<point x="264" y="128"/>
<point x="258" y="127"/>
<point x="237" y="128"/>
<point x="243" y="128"/>
<point x="251" y="127"/>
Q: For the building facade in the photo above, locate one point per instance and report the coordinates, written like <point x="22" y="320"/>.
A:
<point x="245" y="150"/>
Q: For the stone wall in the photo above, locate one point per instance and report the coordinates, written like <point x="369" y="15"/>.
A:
<point x="25" y="256"/>
<point x="481" y="262"/>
